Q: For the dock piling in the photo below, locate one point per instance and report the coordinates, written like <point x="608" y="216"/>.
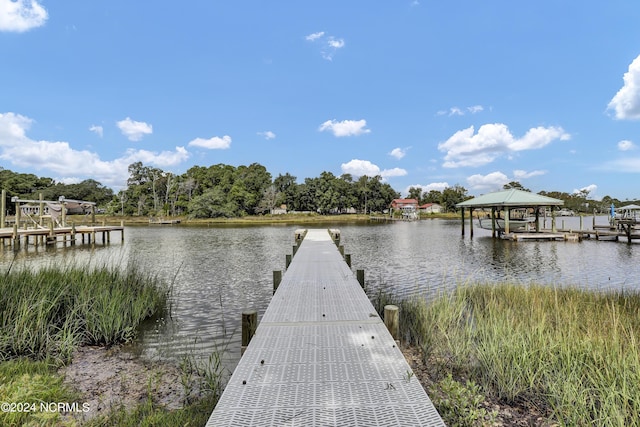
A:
<point x="360" y="275"/>
<point x="249" y="326"/>
<point x="392" y="320"/>
<point x="277" y="278"/>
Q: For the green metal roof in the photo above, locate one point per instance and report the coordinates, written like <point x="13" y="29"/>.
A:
<point x="510" y="197"/>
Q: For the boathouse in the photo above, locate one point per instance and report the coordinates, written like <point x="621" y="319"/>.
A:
<point x="503" y="203"/>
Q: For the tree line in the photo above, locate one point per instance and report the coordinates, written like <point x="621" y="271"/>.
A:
<point x="228" y="191"/>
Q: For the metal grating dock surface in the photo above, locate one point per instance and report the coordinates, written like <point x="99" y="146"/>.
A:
<point x="321" y="356"/>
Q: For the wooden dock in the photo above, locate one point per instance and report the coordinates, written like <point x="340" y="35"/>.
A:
<point x="321" y="356"/>
<point x="37" y="236"/>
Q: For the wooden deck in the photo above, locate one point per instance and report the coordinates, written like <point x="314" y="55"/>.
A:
<point x="321" y="356"/>
<point x="40" y="236"/>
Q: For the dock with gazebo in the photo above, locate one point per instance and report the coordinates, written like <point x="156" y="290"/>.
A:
<point x="503" y="222"/>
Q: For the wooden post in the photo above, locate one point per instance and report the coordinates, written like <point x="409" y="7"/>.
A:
<point x="41" y="213"/>
<point x="347" y="259"/>
<point x="391" y="320"/>
<point x="471" y="223"/>
<point x="295" y="249"/>
<point x="93" y="214"/>
<point x="15" y="237"/>
<point x="17" y="213"/>
<point x="360" y="275"/>
<point x="122" y="231"/>
<point x="462" y="221"/>
<point x="553" y="221"/>
<point x="506" y="220"/>
<point x="581" y="223"/>
<point x="3" y="208"/>
<point x="341" y="250"/>
<point x="64" y="213"/>
<point x="277" y="278"/>
<point x="493" y="221"/>
<point x="287" y="261"/>
<point x="249" y="326"/>
<point x="73" y="233"/>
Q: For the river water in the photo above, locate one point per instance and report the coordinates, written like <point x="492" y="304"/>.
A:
<point x="219" y="271"/>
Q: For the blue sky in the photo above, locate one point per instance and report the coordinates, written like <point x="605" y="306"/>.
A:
<point x="424" y="93"/>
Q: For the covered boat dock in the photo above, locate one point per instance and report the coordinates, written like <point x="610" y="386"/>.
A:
<point x="505" y="202"/>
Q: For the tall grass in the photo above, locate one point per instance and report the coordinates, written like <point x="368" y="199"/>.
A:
<point x="573" y="353"/>
<point x="49" y="312"/>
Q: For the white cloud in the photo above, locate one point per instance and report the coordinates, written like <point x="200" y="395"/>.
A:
<point x="626" y="103"/>
<point x="345" y="127"/>
<point x="357" y="167"/>
<point x="626" y="145"/>
<point x="398" y="153"/>
<point x="314" y="36"/>
<point x="589" y="189"/>
<point x="214" y="143"/>
<point x="134" y="130"/>
<point x="21" y="15"/>
<point x="492" y="181"/>
<point x="335" y="43"/>
<point x="60" y="158"/>
<point x="329" y="44"/>
<point x="457" y="111"/>
<point x="520" y="174"/>
<point x="267" y="134"/>
<point x="388" y="173"/>
<point x="466" y="148"/>
<point x="437" y="186"/>
<point x="98" y="130"/>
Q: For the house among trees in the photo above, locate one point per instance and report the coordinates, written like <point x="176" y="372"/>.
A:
<point x="430" y="208"/>
<point x="404" y="205"/>
<point x="280" y="210"/>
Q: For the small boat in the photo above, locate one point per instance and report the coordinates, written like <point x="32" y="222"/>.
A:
<point x="519" y="220"/>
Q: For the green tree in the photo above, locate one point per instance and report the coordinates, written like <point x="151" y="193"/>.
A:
<point x="285" y="185"/>
<point x="515" y="185"/>
<point x="452" y="196"/>
<point x="415" y="193"/>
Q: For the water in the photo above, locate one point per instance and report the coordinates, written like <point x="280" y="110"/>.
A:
<point x="219" y="271"/>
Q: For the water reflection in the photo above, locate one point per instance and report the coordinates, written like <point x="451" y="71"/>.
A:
<point x="219" y="271"/>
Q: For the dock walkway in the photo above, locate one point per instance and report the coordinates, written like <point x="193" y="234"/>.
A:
<point x="321" y="355"/>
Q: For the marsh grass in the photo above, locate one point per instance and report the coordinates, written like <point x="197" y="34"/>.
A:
<point x="572" y="353"/>
<point x="23" y="380"/>
<point x="46" y="314"/>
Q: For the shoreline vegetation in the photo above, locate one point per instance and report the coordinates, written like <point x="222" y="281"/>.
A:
<point x="289" y="219"/>
<point x="52" y="316"/>
<point x="549" y="355"/>
<point x="488" y="355"/>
